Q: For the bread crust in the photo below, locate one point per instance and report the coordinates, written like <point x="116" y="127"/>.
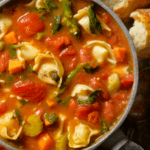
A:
<point x="143" y="16"/>
<point x="124" y="8"/>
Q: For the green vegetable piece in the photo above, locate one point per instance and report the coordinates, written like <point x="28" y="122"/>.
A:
<point x="40" y="35"/>
<point x="2" y="44"/>
<point x="30" y="70"/>
<point x="113" y="83"/>
<point x="95" y="25"/>
<point x="17" y="113"/>
<point x="9" y="79"/>
<point x="34" y="127"/>
<point x="91" y="98"/>
<point x="42" y="17"/>
<point x="54" y="75"/>
<point x="88" y="68"/>
<point x="72" y="74"/>
<point x="12" y="49"/>
<point x="57" y="24"/>
<point x="52" y="118"/>
<point x="23" y="102"/>
<point x="70" y="21"/>
<point x="64" y="102"/>
<point x="104" y="128"/>
<point x="62" y="141"/>
<point x="24" y="76"/>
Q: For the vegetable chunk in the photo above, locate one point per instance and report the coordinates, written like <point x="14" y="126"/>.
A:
<point x="11" y="38"/>
<point x="15" y="66"/>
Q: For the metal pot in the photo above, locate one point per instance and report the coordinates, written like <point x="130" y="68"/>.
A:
<point x="114" y="134"/>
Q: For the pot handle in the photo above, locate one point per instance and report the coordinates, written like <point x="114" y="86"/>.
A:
<point x="118" y="141"/>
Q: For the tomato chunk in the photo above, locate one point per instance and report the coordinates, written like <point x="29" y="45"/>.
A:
<point x="93" y="117"/>
<point x="69" y="51"/>
<point x="72" y="64"/>
<point x="32" y="91"/>
<point x="109" y="112"/>
<point x="30" y="24"/>
<point x="3" y="107"/>
<point x="58" y="43"/>
<point x="4" y="60"/>
<point x="127" y="81"/>
<point x="85" y="55"/>
<point x="73" y="105"/>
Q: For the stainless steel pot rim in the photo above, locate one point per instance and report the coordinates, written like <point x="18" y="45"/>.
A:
<point x="11" y="146"/>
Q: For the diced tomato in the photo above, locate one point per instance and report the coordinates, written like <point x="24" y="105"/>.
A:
<point x="30" y="24"/>
<point x="85" y="56"/>
<point x="40" y="112"/>
<point x="3" y="107"/>
<point x="58" y="43"/>
<point x="73" y="64"/>
<point x="32" y="91"/>
<point x="4" y="60"/>
<point x="127" y="81"/>
<point x="93" y="117"/>
<point x="73" y="105"/>
<point x="121" y="95"/>
<point x="82" y="111"/>
<point x="105" y="75"/>
<point x="69" y="51"/>
<point x="109" y="112"/>
<point x="96" y="84"/>
<point x="106" y="18"/>
<point x="96" y="106"/>
<point x="113" y="40"/>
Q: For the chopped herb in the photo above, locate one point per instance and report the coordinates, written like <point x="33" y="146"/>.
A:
<point x="2" y="44"/>
<point x="40" y="35"/>
<point x="24" y="76"/>
<point x="70" y="21"/>
<point x="89" y="69"/>
<point x="95" y="25"/>
<point x="52" y="118"/>
<point x="65" y="101"/>
<point x="57" y="24"/>
<point x="23" y="102"/>
<point x="17" y="113"/>
<point x="91" y="98"/>
<point x="9" y="79"/>
<point x="30" y="70"/>
<point x="104" y="128"/>
<point x="54" y="75"/>
<point x="48" y="7"/>
<point x="42" y="17"/>
<point x="12" y="49"/>
<point x="58" y="100"/>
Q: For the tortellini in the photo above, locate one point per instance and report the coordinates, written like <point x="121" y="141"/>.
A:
<point x="81" y="91"/>
<point x="84" y="21"/>
<point x="49" y="68"/>
<point x="5" y="24"/>
<point x="30" y="4"/>
<point x="8" y="127"/>
<point x="27" y="51"/>
<point x="39" y="3"/>
<point x="79" y="134"/>
<point x="101" y="51"/>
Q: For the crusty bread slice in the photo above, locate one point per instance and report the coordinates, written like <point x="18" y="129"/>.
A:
<point x="140" y="32"/>
<point x="123" y="8"/>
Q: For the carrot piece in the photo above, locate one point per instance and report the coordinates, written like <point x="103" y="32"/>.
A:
<point x="47" y="123"/>
<point x="51" y="103"/>
<point x="15" y="66"/>
<point x="45" y="142"/>
<point x="119" y="53"/>
<point x="11" y="38"/>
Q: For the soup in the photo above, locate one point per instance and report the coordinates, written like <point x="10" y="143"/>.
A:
<point x="66" y="74"/>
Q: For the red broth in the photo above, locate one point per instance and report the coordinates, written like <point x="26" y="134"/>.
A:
<point x="26" y="95"/>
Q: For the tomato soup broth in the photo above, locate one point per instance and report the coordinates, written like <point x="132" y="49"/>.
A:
<point x="65" y="77"/>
